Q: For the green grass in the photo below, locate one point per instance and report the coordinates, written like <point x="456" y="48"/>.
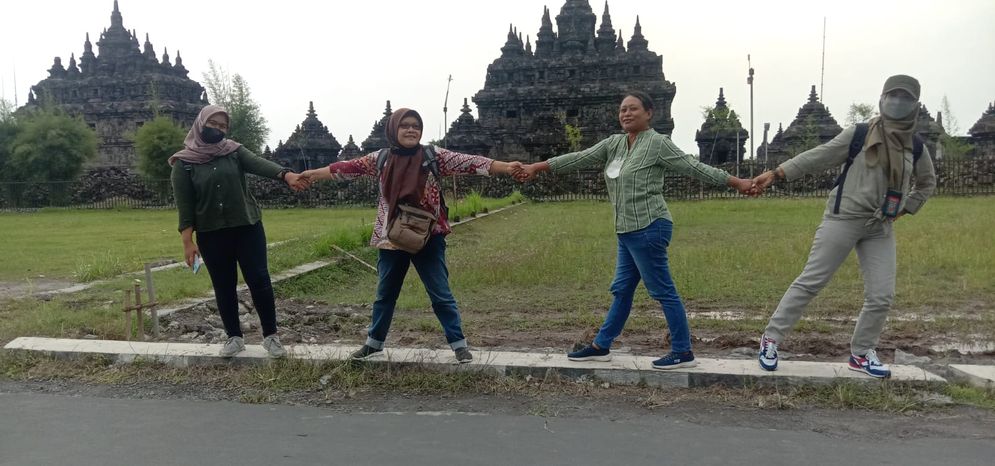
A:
<point x="725" y="254"/>
<point x="85" y="245"/>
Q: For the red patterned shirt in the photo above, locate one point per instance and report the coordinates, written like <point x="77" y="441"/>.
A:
<point x="450" y="163"/>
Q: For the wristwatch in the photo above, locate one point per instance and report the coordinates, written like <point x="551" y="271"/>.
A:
<point x="283" y="174"/>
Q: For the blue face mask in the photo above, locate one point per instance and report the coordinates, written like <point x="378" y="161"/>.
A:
<point x="212" y="135"/>
<point x="897" y="107"/>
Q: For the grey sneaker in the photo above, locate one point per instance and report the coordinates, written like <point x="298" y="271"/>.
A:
<point x="463" y="355"/>
<point x="233" y="346"/>
<point x="274" y="347"/>
<point x="364" y="352"/>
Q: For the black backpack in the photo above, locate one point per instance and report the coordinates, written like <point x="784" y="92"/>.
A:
<point x="429" y="162"/>
<point x="856" y="145"/>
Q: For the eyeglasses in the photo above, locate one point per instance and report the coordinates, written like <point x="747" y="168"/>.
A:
<point x="407" y="127"/>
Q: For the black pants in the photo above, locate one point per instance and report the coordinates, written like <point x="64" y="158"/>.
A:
<point x="246" y="246"/>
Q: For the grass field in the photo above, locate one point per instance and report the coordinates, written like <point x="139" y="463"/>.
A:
<point x="541" y="271"/>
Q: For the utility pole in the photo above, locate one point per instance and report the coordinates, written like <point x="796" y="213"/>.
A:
<point x="822" y="77"/>
<point x="749" y="80"/>
<point x="766" y="143"/>
<point x="445" y="111"/>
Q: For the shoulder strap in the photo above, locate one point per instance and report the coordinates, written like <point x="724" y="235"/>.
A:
<point x="382" y="157"/>
<point x="856" y="145"/>
<point x="917" y="144"/>
<point x="432" y="163"/>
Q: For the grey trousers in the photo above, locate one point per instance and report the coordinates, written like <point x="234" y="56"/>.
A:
<point x="834" y="239"/>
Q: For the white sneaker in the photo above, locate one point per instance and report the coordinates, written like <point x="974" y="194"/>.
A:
<point x="233" y="346"/>
<point x="768" y="353"/>
<point x="274" y="347"/>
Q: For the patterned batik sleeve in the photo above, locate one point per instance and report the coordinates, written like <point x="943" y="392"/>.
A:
<point x="355" y="168"/>
<point x="456" y="163"/>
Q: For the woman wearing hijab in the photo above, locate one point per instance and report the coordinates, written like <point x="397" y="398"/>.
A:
<point x="884" y="180"/>
<point x="408" y="179"/>
<point x="213" y="199"/>
<point x="635" y="162"/>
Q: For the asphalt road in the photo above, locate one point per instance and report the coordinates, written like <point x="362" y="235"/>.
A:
<point x="40" y="429"/>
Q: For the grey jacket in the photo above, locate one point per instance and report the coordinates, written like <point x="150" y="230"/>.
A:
<point x="864" y="188"/>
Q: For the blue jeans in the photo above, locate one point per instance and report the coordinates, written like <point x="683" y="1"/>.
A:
<point x="430" y="263"/>
<point x="642" y="254"/>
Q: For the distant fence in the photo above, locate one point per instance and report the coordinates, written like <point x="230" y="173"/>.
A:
<point x="120" y="189"/>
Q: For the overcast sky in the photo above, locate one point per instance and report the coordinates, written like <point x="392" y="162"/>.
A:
<point x="349" y="57"/>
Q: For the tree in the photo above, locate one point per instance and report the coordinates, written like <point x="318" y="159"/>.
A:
<point x="574" y="137"/>
<point x="247" y="125"/>
<point x="954" y="148"/>
<point x="859" y="113"/>
<point x="155" y="142"/>
<point x="8" y="131"/>
<point x="50" y="146"/>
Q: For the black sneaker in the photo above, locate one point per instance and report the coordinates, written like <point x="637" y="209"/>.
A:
<point x="590" y="354"/>
<point x="675" y="360"/>
<point x="364" y="352"/>
<point x="463" y="355"/>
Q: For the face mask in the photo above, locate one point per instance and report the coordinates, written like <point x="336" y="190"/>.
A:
<point x="897" y="108"/>
<point x="212" y="135"/>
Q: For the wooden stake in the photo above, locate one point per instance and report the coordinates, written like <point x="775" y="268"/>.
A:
<point x="141" y="313"/>
<point x="150" y="286"/>
<point x="127" y="315"/>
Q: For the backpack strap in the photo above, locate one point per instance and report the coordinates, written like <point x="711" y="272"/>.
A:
<point x="917" y="145"/>
<point x="382" y="157"/>
<point x="856" y="145"/>
<point x="431" y="162"/>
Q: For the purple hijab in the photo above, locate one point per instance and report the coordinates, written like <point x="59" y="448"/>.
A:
<point x="195" y="150"/>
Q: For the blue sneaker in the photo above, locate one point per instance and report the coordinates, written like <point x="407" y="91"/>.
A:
<point x="590" y="353"/>
<point x="870" y="365"/>
<point x="675" y="360"/>
<point x="768" y="353"/>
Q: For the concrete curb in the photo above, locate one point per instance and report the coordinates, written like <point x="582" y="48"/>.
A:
<point x="623" y="369"/>
<point x="979" y="376"/>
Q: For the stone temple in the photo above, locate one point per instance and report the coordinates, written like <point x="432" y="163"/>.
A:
<point x="574" y="75"/>
<point x="115" y="89"/>
<point x="311" y="145"/>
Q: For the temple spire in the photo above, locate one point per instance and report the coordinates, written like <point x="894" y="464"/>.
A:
<point x="606" y="33"/>
<point x="545" y="38"/>
<point x="638" y="42"/>
<point x="721" y="103"/>
<point x="812" y="96"/>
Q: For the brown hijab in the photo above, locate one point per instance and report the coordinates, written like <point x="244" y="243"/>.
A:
<point x="404" y="180"/>
<point x="195" y="150"/>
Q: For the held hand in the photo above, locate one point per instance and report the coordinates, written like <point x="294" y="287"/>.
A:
<point x="745" y="187"/>
<point x="764" y="180"/>
<point x="189" y="251"/>
<point x="527" y="173"/>
<point x="515" y="168"/>
<point x="298" y="182"/>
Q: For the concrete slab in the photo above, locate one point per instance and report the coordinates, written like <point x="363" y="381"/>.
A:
<point x="978" y="376"/>
<point x="623" y="369"/>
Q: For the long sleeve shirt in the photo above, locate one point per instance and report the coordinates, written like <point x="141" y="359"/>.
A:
<point x="863" y="188"/>
<point x="214" y="195"/>
<point x="450" y="163"/>
<point x="637" y="193"/>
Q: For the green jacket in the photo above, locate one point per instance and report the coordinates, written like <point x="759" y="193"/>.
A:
<point x="215" y="195"/>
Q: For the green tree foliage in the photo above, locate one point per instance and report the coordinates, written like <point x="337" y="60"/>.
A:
<point x="155" y="141"/>
<point x="247" y="125"/>
<point x="574" y="137"/>
<point x="859" y="113"/>
<point x="954" y="147"/>
<point x="8" y="130"/>
<point x="50" y="146"/>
